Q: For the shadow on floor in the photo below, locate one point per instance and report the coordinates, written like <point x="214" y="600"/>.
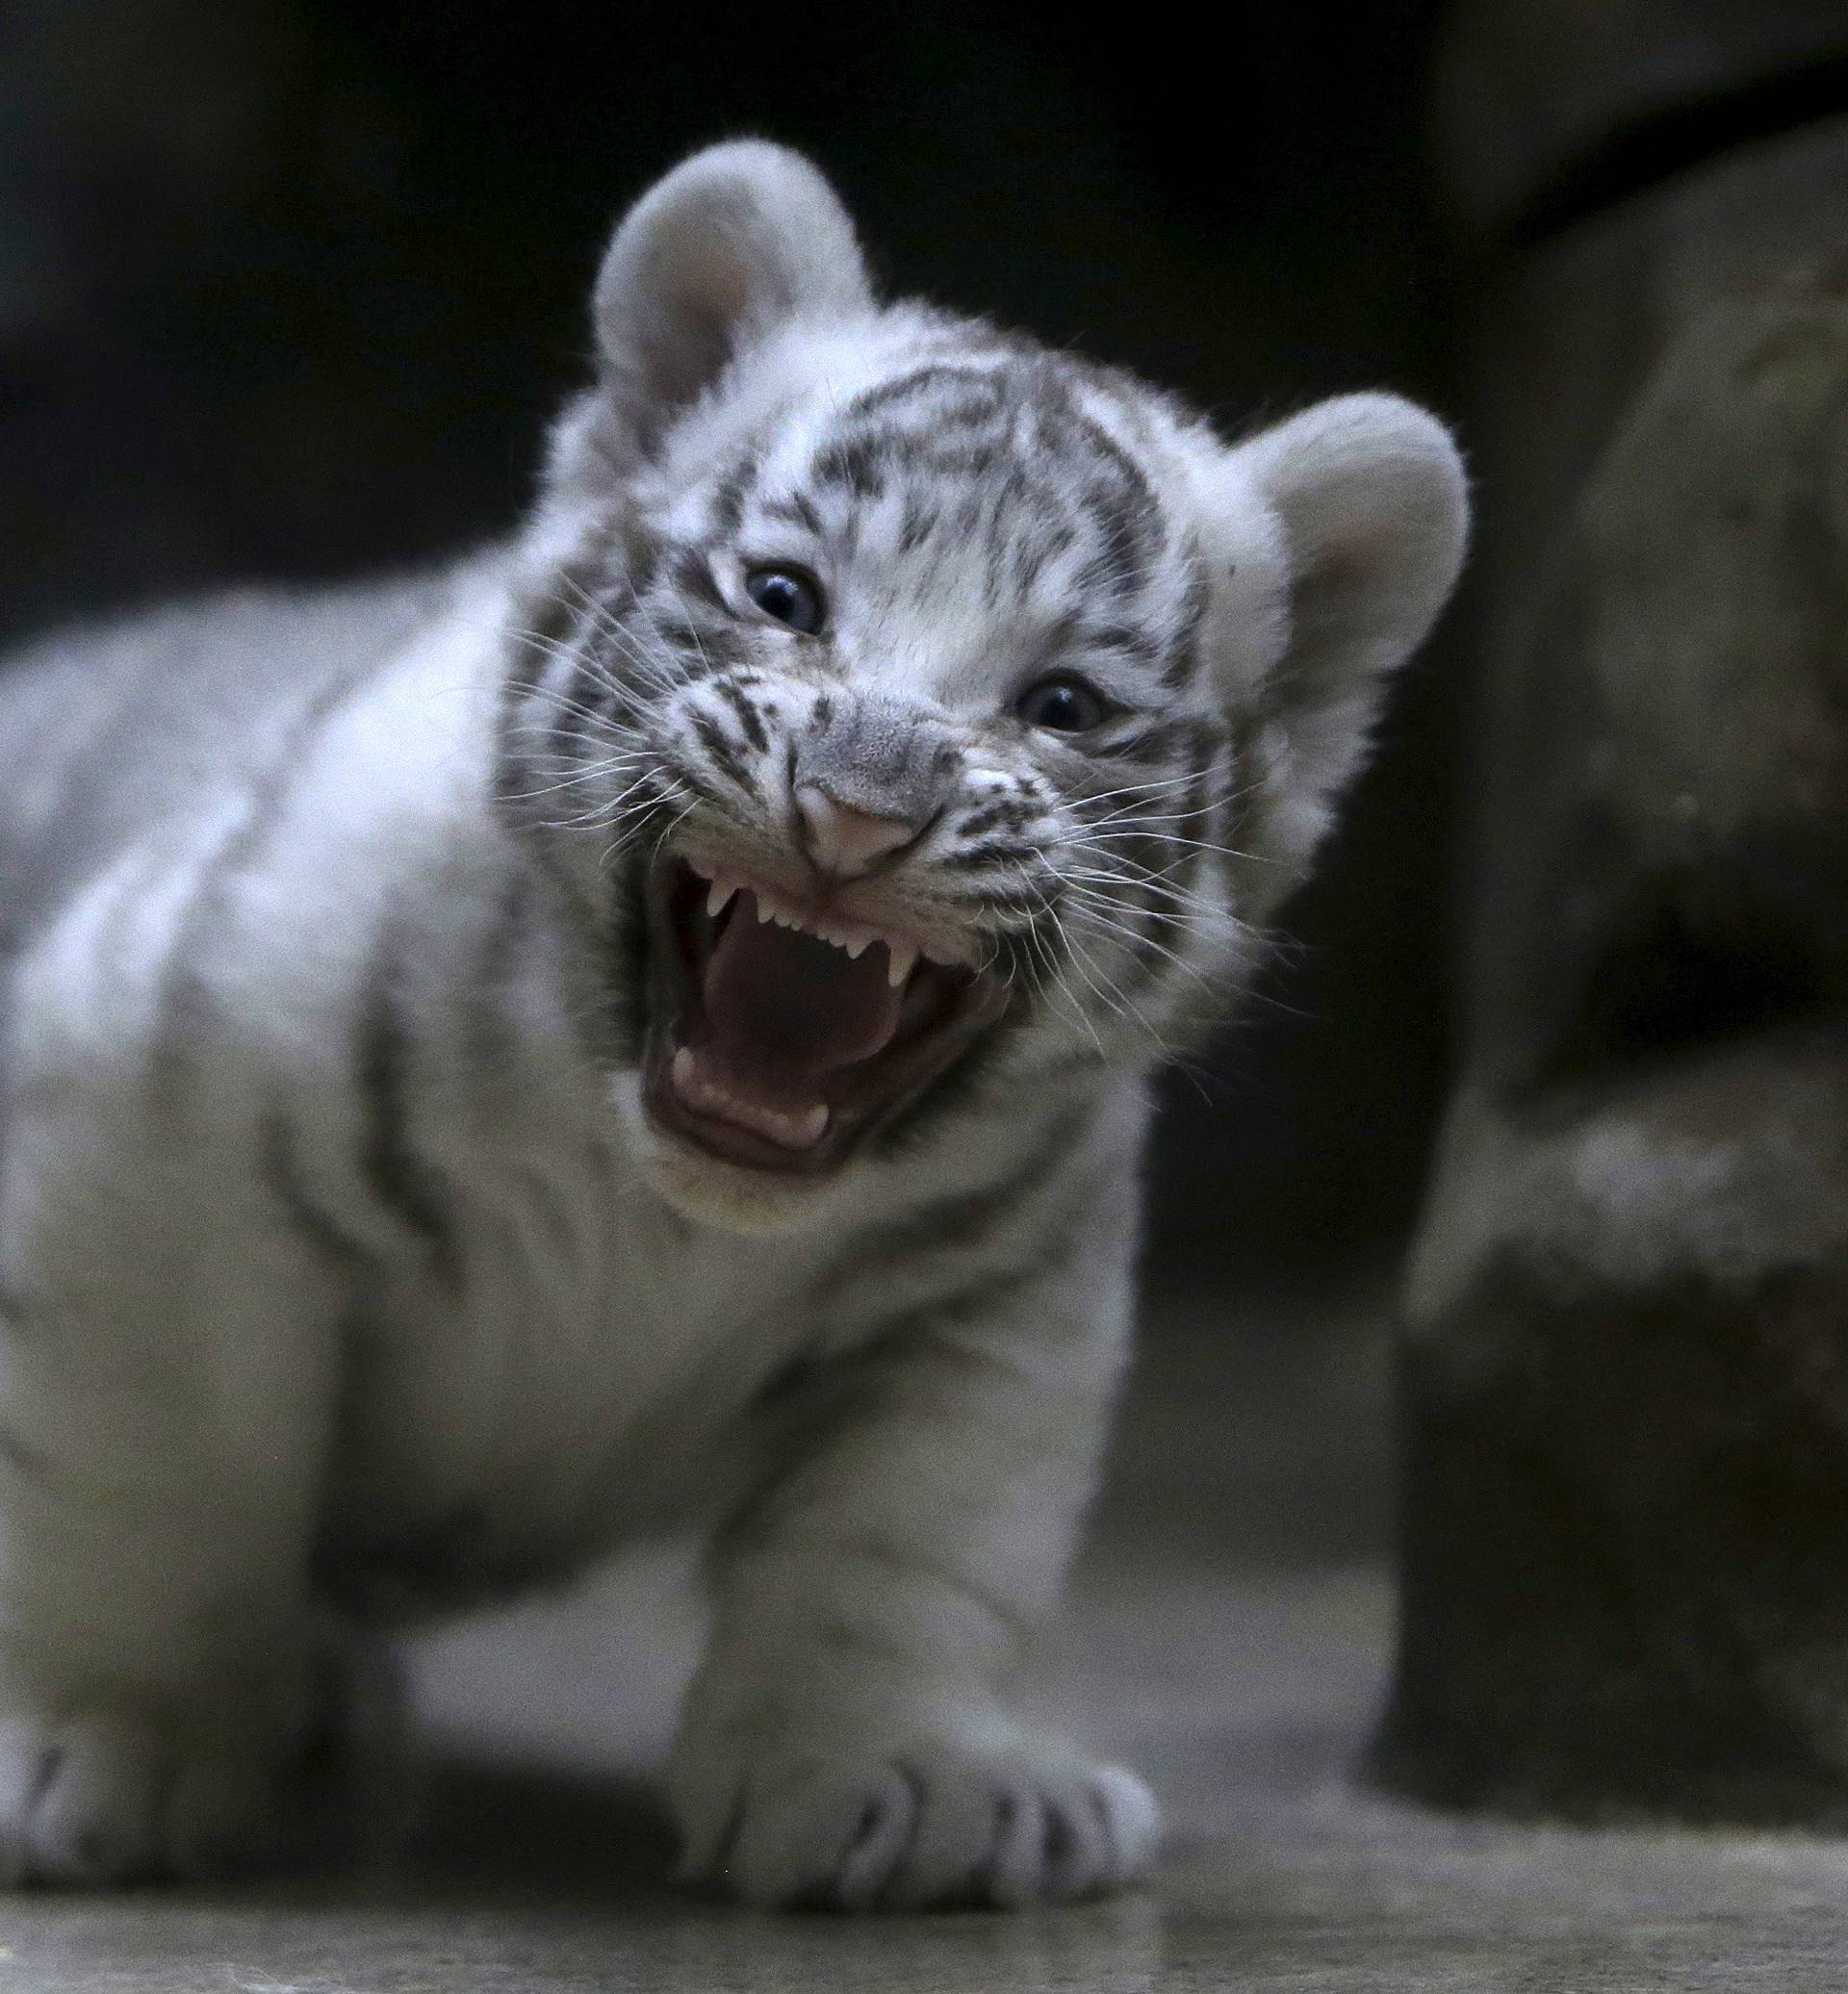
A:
<point x="1230" y="1635"/>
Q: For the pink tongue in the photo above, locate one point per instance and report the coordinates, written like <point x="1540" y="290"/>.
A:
<point x="782" y="1005"/>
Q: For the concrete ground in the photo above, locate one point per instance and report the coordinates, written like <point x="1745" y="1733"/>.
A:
<point x="1229" y="1634"/>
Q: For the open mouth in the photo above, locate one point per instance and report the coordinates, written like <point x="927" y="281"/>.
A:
<point x="781" y="1034"/>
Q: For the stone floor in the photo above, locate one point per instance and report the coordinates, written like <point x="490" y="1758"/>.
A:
<point x="1229" y="1634"/>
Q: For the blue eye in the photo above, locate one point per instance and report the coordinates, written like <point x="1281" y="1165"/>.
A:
<point x="1063" y="704"/>
<point x="788" y="594"/>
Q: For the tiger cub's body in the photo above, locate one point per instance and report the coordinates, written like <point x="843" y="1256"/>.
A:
<point x="650" y="1027"/>
<point x="306" y="968"/>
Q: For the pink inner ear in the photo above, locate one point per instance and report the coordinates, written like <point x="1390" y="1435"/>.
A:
<point x="712" y="286"/>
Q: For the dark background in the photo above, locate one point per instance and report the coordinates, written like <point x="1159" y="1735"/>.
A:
<point x="287" y="287"/>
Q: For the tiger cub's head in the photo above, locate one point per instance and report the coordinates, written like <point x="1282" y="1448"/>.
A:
<point x="912" y="714"/>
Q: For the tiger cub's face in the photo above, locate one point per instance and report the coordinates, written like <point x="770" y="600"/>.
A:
<point x="916" y="709"/>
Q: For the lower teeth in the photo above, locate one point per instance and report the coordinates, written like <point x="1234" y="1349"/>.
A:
<point x="800" y="1131"/>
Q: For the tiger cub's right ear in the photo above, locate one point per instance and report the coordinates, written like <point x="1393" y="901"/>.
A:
<point x="731" y="243"/>
<point x="1364" y="510"/>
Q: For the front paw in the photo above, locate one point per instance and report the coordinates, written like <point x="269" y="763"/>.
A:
<point x="101" y="1794"/>
<point x="902" y="1827"/>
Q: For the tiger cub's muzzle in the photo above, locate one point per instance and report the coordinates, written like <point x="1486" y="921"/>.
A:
<point x="800" y="995"/>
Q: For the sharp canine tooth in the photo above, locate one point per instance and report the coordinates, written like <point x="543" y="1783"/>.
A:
<point x="904" y="955"/>
<point x="720" y="897"/>
<point x="684" y="1070"/>
<point x="764" y="910"/>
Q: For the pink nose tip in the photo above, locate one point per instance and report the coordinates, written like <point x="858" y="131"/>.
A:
<point x="845" y="841"/>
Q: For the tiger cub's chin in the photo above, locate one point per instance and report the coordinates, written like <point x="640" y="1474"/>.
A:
<point x="712" y="1190"/>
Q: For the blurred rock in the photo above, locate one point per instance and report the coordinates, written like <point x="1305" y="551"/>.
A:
<point x="1625" y="1372"/>
<point x="1546" y="109"/>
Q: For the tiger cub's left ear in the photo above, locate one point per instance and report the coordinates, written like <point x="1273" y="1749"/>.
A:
<point x="1362" y="507"/>
<point x="733" y="243"/>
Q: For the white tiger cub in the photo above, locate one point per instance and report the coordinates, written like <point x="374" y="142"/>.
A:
<point x="652" y="1025"/>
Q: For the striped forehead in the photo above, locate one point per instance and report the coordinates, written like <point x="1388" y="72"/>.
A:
<point x="993" y="475"/>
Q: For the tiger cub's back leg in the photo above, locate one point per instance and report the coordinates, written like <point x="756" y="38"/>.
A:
<point x="166" y="1379"/>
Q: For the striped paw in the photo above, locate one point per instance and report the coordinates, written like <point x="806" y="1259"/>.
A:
<point x="933" y="1824"/>
<point x="97" y="1797"/>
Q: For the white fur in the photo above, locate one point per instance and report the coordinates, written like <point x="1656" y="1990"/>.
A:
<point x="195" y="1387"/>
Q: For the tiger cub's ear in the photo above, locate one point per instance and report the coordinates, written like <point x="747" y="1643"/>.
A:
<point x="733" y="243"/>
<point x="1364" y="511"/>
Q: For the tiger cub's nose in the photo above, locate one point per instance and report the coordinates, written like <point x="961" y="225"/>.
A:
<point x="843" y="841"/>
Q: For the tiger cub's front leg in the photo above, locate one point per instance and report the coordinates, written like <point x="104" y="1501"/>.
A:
<point x="846" y="1740"/>
<point x="165" y="1385"/>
